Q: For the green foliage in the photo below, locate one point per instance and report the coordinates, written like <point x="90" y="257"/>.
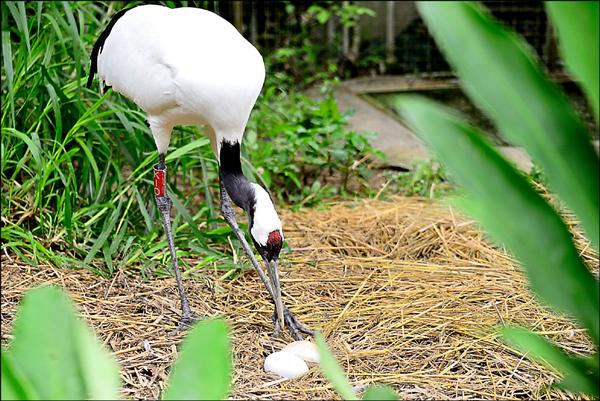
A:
<point x="580" y="374"/>
<point x="531" y="111"/>
<point x="380" y="393"/>
<point x="72" y="364"/>
<point x="76" y="167"/>
<point x="54" y="355"/>
<point x="304" y="148"/>
<point x="578" y="31"/>
<point x="203" y="370"/>
<point x="78" y="366"/>
<point x="519" y="94"/>
<point x="305" y="59"/>
<point x="540" y="240"/>
<point x="347" y="13"/>
<point x="426" y="178"/>
<point x="334" y="373"/>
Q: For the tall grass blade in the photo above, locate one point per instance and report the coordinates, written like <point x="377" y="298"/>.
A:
<point x="528" y="109"/>
<point x="17" y="9"/>
<point x="332" y="371"/>
<point x="110" y="223"/>
<point x="512" y="211"/>
<point x="7" y="63"/>
<point x="203" y="370"/>
<point x="68" y="213"/>
<point x="577" y="24"/>
<point x="181" y="210"/>
<point x="143" y="210"/>
<point x="32" y="146"/>
<point x="77" y="366"/>
<point x="186" y="149"/>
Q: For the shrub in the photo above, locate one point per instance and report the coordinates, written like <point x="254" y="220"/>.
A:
<point x="301" y="148"/>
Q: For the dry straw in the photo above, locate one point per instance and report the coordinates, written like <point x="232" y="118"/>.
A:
<point x="407" y="293"/>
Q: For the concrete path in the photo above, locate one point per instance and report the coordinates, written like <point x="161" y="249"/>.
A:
<point x="399" y="144"/>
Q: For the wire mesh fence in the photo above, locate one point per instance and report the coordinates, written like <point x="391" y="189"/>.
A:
<point x="275" y="24"/>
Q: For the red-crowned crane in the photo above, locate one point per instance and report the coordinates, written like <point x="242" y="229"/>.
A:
<point x="190" y="66"/>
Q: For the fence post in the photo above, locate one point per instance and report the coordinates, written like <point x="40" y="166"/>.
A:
<point x="238" y="16"/>
<point x="345" y="37"/>
<point x="389" y="32"/>
<point x="253" y="24"/>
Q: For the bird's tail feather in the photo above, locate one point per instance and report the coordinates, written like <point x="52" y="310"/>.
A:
<point x="98" y="48"/>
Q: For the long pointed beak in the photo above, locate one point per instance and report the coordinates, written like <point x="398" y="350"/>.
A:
<point x="274" y="276"/>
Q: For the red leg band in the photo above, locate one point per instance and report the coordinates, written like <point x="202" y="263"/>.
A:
<point x="160" y="182"/>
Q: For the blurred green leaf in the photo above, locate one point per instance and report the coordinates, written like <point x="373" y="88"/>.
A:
<point x="322" y="14"/>
<point x="579" y="376"/>
<point x="578" y="38"/>
<point x="511" y="210"/>
<point x="66" y="361"/>
<point x="203" y="370"/>
<point x="590" y="368"/>
<point x="14" y="384"/>
<point x="380" y="393"/>
<point x="332" y="371"/>
<point x="498" y="71"/>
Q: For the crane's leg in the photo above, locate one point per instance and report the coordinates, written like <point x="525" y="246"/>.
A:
<point x="290" y="320"/>
<point x="164" y="205"/>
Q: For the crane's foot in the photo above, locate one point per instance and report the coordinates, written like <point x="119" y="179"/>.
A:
<point x="187" y="321"/>
<point x="292" y="324"/>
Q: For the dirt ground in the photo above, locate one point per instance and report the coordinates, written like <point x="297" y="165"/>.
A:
<point x="406" y="292"/>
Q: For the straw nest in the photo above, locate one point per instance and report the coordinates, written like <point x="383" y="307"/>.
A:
<point x="406" y="292"/>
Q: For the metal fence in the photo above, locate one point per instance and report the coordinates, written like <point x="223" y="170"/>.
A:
<point x="416" y="52"/>
<point x="397" y="34"/>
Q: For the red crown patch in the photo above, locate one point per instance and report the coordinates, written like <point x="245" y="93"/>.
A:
<point x="274" y="239"/>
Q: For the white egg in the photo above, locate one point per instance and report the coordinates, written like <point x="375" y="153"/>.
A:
<point x="305" y="350"/>
<point x="285" y="364"/>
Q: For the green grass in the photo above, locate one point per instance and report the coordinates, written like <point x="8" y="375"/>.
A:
<point x="76" y="166"/>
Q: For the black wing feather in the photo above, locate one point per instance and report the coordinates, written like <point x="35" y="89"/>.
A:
<point x="99" y="43"/>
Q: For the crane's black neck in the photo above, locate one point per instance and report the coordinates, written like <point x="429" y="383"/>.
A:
<point x="238" y="187"/>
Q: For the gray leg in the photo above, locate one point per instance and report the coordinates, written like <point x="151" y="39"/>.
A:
<point x="164" y="206"/>
<point x="289" y="319"/>
<point x="229" y="216"/>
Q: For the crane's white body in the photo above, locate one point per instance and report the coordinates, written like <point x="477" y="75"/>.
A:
<point x="188" y="66"/>
<point x="183" y="66"/>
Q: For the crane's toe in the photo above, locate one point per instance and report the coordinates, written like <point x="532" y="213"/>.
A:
<point x="187" y="321"/>
<point x="293" y="324"/>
